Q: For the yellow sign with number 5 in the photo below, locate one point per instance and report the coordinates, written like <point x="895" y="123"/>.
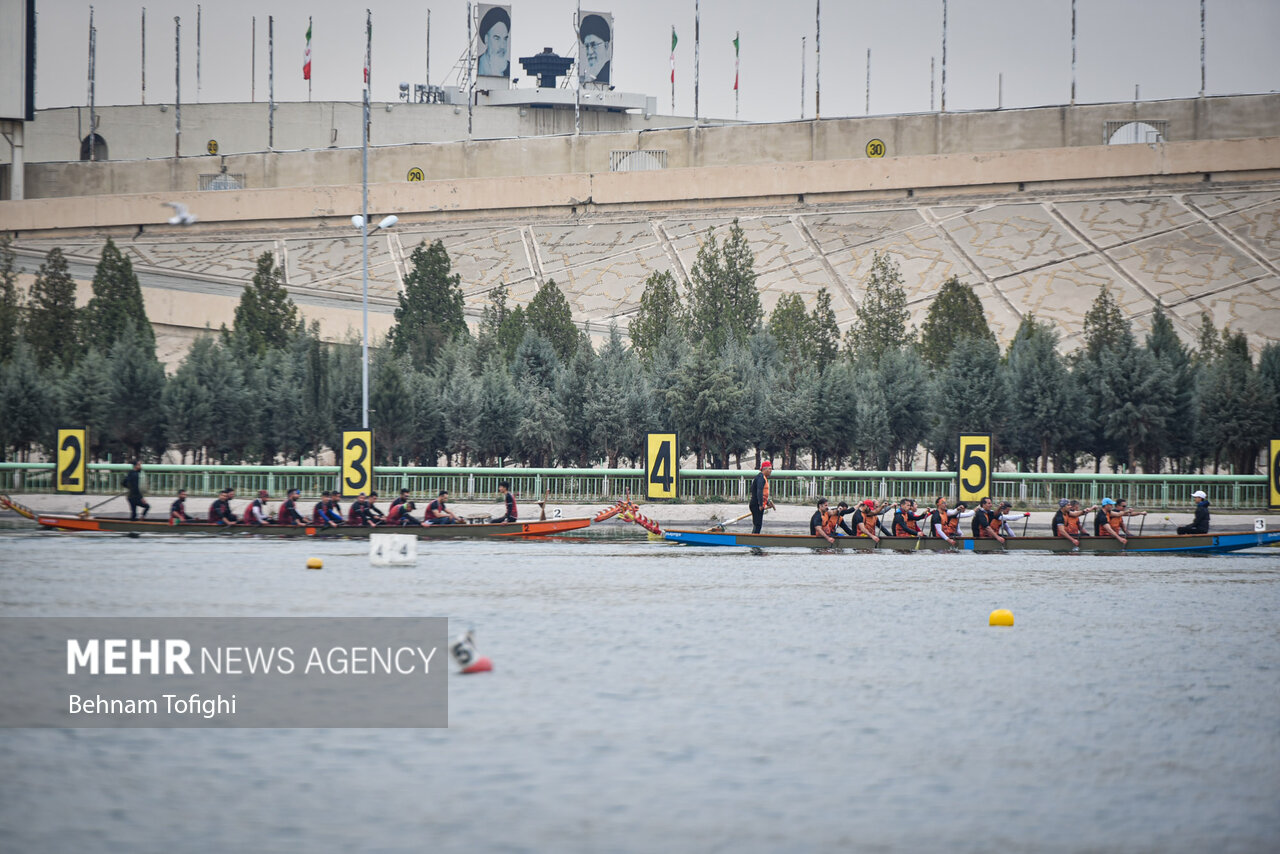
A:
<point x="72" y="458"/>
<point x="974" y="467"/>
<point x="357" y="462"/>
<point x="662" y="466"/>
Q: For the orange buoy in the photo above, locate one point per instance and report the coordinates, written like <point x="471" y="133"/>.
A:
<point x="482" y="665"/>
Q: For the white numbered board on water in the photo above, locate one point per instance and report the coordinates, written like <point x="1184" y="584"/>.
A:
<point x="393" y="549"/>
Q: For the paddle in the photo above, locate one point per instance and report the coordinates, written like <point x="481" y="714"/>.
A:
<point x="720" y="527"/>
<point x="1140" y="524"/>
<point x="87" y="509"/>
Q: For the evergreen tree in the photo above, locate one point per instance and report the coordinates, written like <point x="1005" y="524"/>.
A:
<point x="187" y="403"/>
<point x="1041" y="395"/>
<point x="277" y="390"/>
<point x="907" y="380"/>
<point x="824" y="342"/>
<point x="498" y="414"/>
<point x="1175" y="360"/>
<point x="391" y="413"/>
<point x="969" y="395"/>
<point x="266" y="317"/>
<point x="1236" y="406"/>
<point x="430" y="311"/>
<point x="1106" y="329"/>
<point x="703" y="397"/>
<point x="837" y="414"/>
<point x="1269" y="371"/>
<point x="659" y="313"/>
<point x="343" y="406"/>
<point x="459" y="403"/>
<point x="51" y="314"/>
<point x="880" y="323"/>
<point x="549" y="316"/>
<point x="792" y="415"/>
<point x="789" y="325"/>
<point x="535" y="361"/>
<point x="116" y="302"/>
<point x="501" y="328"/>
<point x="575" y="392"/>
<point x="955" y="313"/>
<point x="136" y="417"/>
<point x="606" y="404"/>
<point x="87" y="399"/>
<point x="541" y="426"/>
<point x="723" y="300"/>
<point x="428" y="434"/>
<point x="10" y="301"/>
<point x="316" y="415"/>
<point x="28" y="400"/>
<point x="1103" y="373"/>
<point x="871" y="430"/>
<point x="1208" y="342"/>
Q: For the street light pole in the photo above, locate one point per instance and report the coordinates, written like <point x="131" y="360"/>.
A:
<point x="364" y="263"/>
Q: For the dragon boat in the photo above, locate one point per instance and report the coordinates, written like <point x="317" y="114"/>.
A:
<point x="1211" y="543"/>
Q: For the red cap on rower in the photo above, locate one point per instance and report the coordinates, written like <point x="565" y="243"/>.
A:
<point x="262" y="493"/>
<point x="869" y="502"/>
<point x="766" y="465"/>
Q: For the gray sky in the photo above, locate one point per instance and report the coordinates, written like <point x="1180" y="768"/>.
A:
<point x="1120" y="43"/>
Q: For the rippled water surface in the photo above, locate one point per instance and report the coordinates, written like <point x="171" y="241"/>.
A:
<point x="648" y="696"/>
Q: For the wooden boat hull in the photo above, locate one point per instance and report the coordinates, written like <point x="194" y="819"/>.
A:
<point x="501" y="529"/>
<point x="1173" y="543"/>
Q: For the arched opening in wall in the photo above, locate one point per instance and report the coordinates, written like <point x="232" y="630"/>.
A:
<point x="1130" y="133"/>
<point x="637" y="161"/>
<point x="99" y="148"/>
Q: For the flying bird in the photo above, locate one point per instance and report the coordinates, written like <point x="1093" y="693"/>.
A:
<point x="181" y="216"/>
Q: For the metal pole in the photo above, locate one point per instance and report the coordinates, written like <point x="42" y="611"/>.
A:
<point x="144" y="54"/>
<point x="932" y="78"/>
<point x="736" y="70"/>
<point x="271" y="82"/>
<point x="253" y="62"/>
<point x="428" y="51"/>
<point x="1000" y="91"/>
<point x="944" y="56"/>
<point x="697" y="49"/>
<point x="198" y="44"/>
<point x="470" y="92"/>
<point x="364" y="227"/>
<point x="1073" y="51"/>
<point x="93" y="117"/>
<point x="177" y="86"/>
<point x="1202" y="79"/>
<point x="802" y="57"/>
<point x="577" y="92"/>
<point x="817" y="64"/>
<point x="867" y="109"/>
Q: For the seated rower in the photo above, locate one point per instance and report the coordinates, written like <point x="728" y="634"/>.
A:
<point x="288" y="513"/>
<point x="817" y="522"/>
<point x="1004" y="516"/>
<point x="438" y="514"/>
<point x="906" y="521"/>
<point x="1200" y="524"/>
<point x="1109" y="522"/>
<point x="372" y="511"/>
<point x="256" y="514"/>
<point x="178" y="509"/>
<point x="867" y="517"/>
<point x="404" y="496"/>
<point x="359" y="515"/>
<point x="945" y="523"/>
<point x="220" y="510"/>
<point x="320" y="513"/>
<point x="984" y="522"/>
<point x="400" y="515"/>
<point x="511" y="514"/>
<point x="1122" y="508"/>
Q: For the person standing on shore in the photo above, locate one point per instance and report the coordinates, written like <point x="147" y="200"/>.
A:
<point x="760" y="496"/>
<point x="133" y="488"/>
<point x="1199" y="525"/>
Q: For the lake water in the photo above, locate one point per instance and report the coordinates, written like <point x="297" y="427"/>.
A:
<point x="648" y="696"/>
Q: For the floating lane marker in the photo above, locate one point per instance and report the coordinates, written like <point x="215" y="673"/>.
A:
<point x="1001" y="617"/>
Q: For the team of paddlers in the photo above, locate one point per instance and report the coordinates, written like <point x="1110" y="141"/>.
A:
<point x="328" y="513"/>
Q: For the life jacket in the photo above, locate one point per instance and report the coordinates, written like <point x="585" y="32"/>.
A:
<point x="951" y="525"/>
<point x="902" y="519"/>
<point x="1071" y="523"/>
<point x="766" y="491"/>
<point x="830" y="521"/>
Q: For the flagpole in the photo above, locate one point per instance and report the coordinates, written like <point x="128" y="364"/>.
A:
<point x="198" y="43"/>
<point x="308" y="59"/>
<point x="1073" y="51"/>
<point x="736" y="96"/>
<point x="802" y="57"/>
<point x="253" y="62"/>
<point x="697" y="46"/>
<point x="177" y="86"/>
<point x="867" y="110"/>
<point x="144" y="55"/>
<point x="364" y="222"/>
<point x="944" y="56"/>
<point x="673" y="69"/>
<point x="817" y="64"/>
<point x="428" y="83"/>
<point x="470" y="94"/>
<point x="271" y="82"/>
<point x="93" y="117"/>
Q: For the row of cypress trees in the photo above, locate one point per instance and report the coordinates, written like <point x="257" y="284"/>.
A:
<point x="528" y="387"/>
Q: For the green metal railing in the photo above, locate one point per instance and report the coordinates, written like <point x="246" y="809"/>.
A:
<point x="589" y="486"/>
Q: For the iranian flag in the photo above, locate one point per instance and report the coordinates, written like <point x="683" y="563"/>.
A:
<point x="306" y="57"/>
<point x="735" y="62"/>
<point x="673" y="54"/>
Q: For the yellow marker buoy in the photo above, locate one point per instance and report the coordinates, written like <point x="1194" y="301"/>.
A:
<point x="314" y="563"/>
<point x="1001" y="617"/>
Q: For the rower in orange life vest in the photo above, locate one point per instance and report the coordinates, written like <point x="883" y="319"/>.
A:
<point x="866" y="517"/>
<point x="906" y="519"/>
<point x="1004" y="517"/>
<point x="1109" y="522"/>
<point x="945" y="523"/>
<point x="760" y="496"/>
<point x="984" y="522"/>
<point x="817" y="522"/>
<point x="1122" y="507"/>
<point x="833" y="521"/>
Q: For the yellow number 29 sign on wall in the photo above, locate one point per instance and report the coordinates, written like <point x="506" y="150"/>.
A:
<point x="357" y="462"/>
<point x="661" y="465"/>
<point x="974" y="467"/>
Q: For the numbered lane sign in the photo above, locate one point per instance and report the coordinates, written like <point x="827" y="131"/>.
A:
<point x="357" y="462"/>
<point x="661" y="465"/>
<point x="1273" y="475"/>
<point x="72" y="452"/>
<point x="974" y="468"/>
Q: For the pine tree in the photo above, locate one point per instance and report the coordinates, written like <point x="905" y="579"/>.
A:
<point x="87" y="396"/>
<point x="605" y="408"/>
<point x="1040" y="395"/>
<point x="969" y="394"/>
<point x="1269" y="370"/>
<point x="541" y="426"/>
<point x="723" y="300"/>
<point x="266" y="317"/>
<point x="789" y="326"/>
<point x="51" y="327"/>
<point x="1103" y="372"/>
<point x="391" y="413"/>
<point x="745" y="312"/>
<point x="497" y="415"/>
<point x="28" y="400"/>
<point x="1174" y="358"/>
<point x="955" y="313"/>
<point x="116" y="302"/>
<point x="880" y="323"/>
<point x="10" y="301"/>
<point x="575" y="396"/>
<point x="824" y="342"/>
<point x="871" y="431"/>
<point x="430" y="311"/>
<point x="535" y="361"/>
<point x="659" y="313"/>
<point x="908" y="380"/>
<point x="549" y="316"/>
<point x="703" y="397"/>
<point x="136" y="418"/>
<point x="501" y="328"/>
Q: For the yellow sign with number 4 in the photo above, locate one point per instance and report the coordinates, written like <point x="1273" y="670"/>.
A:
<point x="662" y="466"/>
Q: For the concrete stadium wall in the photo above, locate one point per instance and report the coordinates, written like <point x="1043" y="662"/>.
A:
<point x="52" y="170"/>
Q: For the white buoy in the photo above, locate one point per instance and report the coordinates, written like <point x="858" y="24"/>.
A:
<point x="393" y="549"/>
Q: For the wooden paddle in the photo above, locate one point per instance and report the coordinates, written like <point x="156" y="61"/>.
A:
<point x="720" y="527"/>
